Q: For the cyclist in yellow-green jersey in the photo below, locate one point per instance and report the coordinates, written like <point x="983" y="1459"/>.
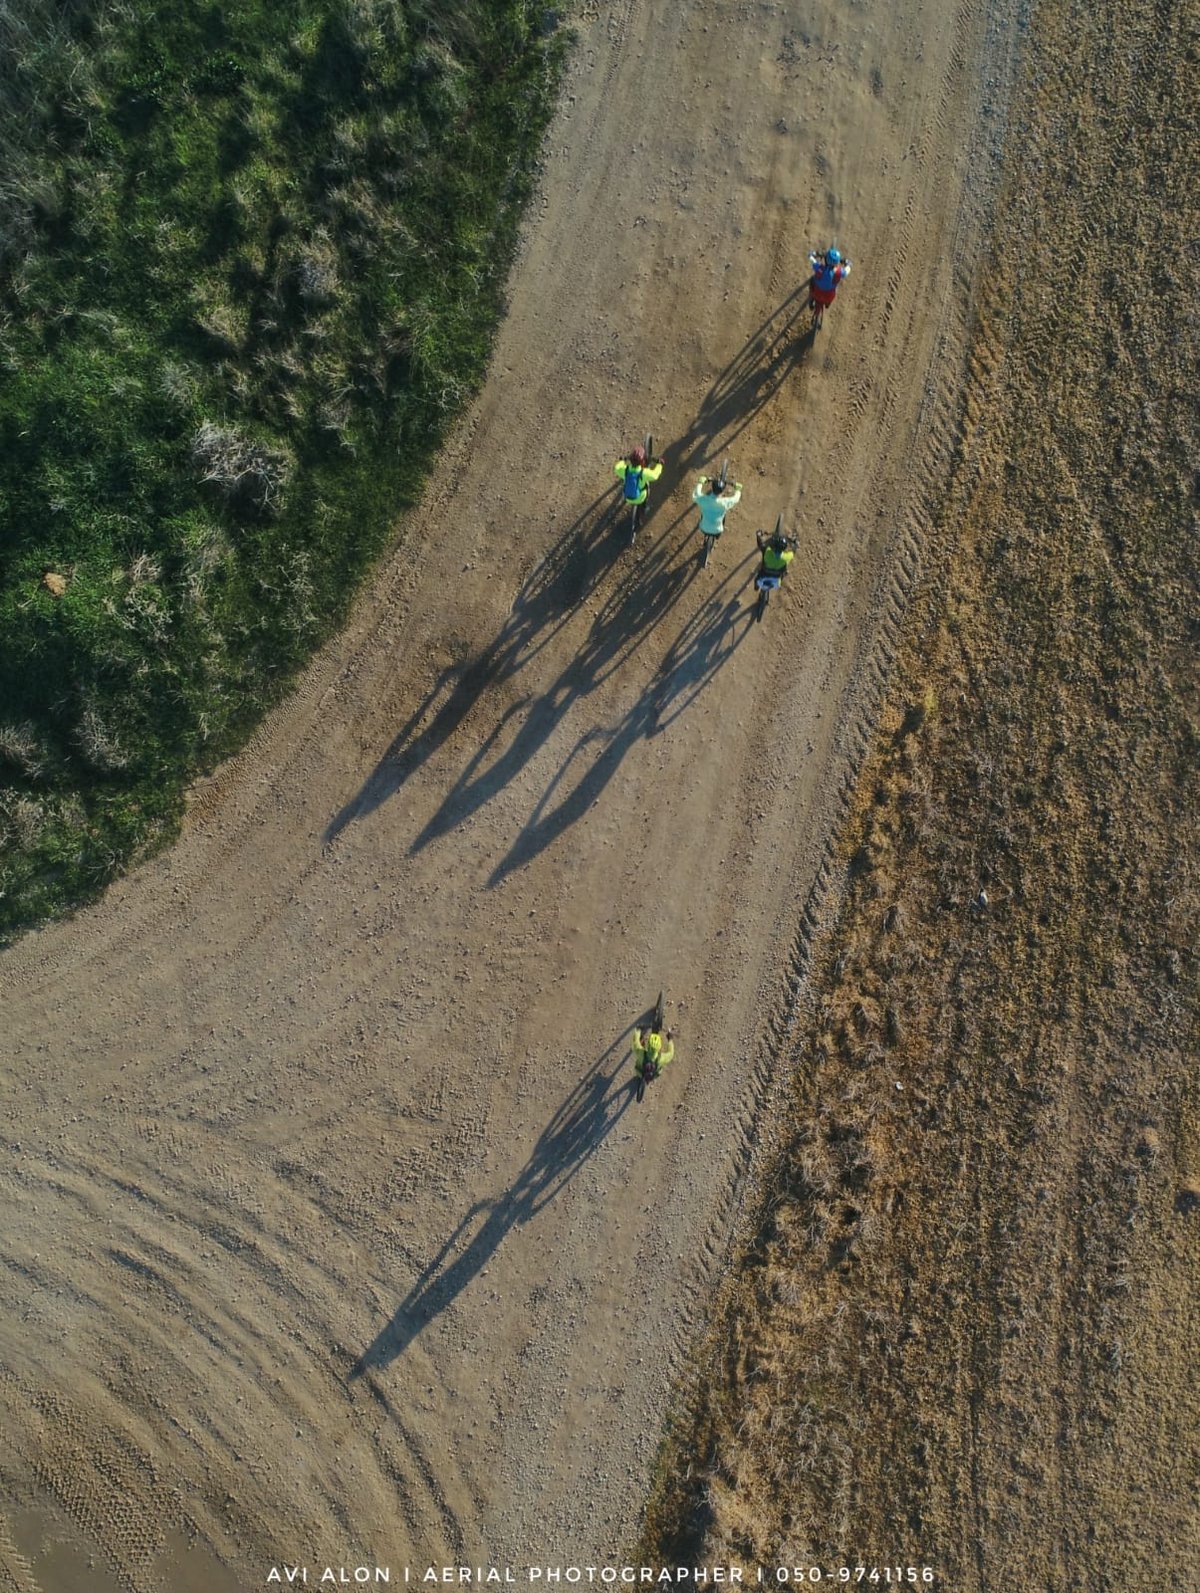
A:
<point x="651" y="1046"/>
<point x="777" y="553"/>
<point x="636" y="473"/>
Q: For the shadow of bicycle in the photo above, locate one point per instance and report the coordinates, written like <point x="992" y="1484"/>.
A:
<point x="576" y="1131"/>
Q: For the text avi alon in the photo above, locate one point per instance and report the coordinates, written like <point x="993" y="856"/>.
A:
<point x="381" y="1575"/>
<point x="330" y="1575"/>
<point x="624" y="1575"/>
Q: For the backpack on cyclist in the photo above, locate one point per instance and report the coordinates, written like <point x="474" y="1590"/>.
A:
<point x="651" y="1058"/>
<point x="633" y="483"/>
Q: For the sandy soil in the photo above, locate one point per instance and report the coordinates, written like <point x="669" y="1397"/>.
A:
<point x="331" y="1234"/>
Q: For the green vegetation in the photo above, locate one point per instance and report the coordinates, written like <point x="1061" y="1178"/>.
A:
<point x="250" y="260"/>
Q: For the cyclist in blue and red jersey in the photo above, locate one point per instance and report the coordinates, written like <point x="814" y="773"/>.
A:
<point x="829" y="269"/>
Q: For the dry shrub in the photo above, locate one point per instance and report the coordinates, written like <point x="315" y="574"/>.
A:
<point x="144" y="568"/>
<point x="815" y="1169"/>
<point x="98" y="743"/>
<point x="336" y="418"/>
<point x="316" y="270"/>
<point x="178" y="384"/>
<point x="241" y="468"/>
<point x="226" y="324"/>
<point x="22" y="819"/>
<point x="1149" y="1146"/>
<point x="20" y="747"/>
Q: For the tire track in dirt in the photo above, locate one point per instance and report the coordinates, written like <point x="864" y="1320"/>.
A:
<point x="281" y="1007"/>
<point x="218" y="1257"/>
<point x="16" y="1573"/>
<point x="944" y="437"/>
<point x="937" y="441"/>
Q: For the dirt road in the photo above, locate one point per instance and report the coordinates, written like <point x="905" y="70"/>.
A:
<point x="331" y="1234"/>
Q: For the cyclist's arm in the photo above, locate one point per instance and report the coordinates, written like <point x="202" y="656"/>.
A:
<point x="734" y="497"/>
<point x="621" y="466"/>
<point x="698" y="494"/>
<point x="652" y="472"/>
<point x="667" y="1052"/>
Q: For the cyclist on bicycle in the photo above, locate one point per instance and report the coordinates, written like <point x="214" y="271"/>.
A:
<point x="829" y="269"/>
<point x="777" y="552"/>
<point x="714" y="505"/>
<point x="637" y="472"/>
<point x="653" y="1048"/>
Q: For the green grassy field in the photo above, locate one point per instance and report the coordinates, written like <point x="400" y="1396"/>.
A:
<point x="250" y="261"/>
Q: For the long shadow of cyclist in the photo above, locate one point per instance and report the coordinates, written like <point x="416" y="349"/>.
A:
<point x="706" y="643"/>
<point x="551" y="596"/>
<point x="545" y="603"/>
<point x="644" y="594"/>
<point x="570" y="1139"/>
<point x="743" y="389"/>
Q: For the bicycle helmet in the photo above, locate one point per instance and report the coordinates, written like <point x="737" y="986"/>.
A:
<point x="637" y="456"/>
<point x="778" y="541"/>
<point x="833" y="256"/>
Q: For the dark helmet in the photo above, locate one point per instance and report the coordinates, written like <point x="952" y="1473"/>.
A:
<point x="637" y="456"/>
<point x="778" y="541"/>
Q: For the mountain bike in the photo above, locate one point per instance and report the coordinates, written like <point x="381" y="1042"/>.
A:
<point x="638" y="510"/>
<point x="765" y="582"/>
<point x="707" y="540"/>
<point x="648" y="1071"/>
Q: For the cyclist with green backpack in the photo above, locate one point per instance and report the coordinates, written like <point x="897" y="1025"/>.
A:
<point x="652" y="1051"/>
<point x="636" y="473"/>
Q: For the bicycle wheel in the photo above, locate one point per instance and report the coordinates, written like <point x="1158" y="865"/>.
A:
<point x="659" y="1014"/>
<point x="641" y="1084"/>
<point x="705" y="549"/>
<point x="760" y="608"/>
